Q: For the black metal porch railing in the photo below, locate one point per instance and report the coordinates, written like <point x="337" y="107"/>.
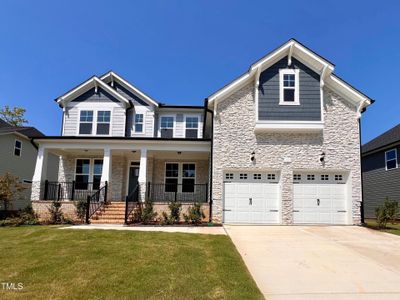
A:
<point x="164" y="192"/>
<point x="69" y="190"/>
<point x="95" y="201"/>
<point x="131" y="202"/>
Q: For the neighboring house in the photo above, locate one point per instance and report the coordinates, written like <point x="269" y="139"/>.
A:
<point x="380" y="169"/>
<point x="278" y="145"/>
<point x="17" y="156"/>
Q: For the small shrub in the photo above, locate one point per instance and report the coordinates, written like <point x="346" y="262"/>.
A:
<point x="389" y="211"/>
<point x="174" y="215"/>
<point x="195" y="214"/>
<point x="80" y="210"/>
<point x="56" y="214"/>
<point x="147" y="213"/>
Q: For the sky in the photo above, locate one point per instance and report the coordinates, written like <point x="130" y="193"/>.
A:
<point x="180" y="52"/>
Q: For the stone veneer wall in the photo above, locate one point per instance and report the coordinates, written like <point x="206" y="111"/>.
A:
<point x="235" y="139"/>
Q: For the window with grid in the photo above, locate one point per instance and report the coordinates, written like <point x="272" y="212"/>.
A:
<point x="296" y="177"/>
<point x="138" y="123"/>
<point x="192" y="127"/>
<point x="167" y="127"/>
<point x="257" y="176"/>
<point x="103" y="122"/>
<point x="243" y="176"/>
<point x="271" y="176"/>
<point x="310" y="177"/>
<point x="86" y="122"/>
<point x="338" y="177"/>
<point x="391" y="159"/>
<point x="324" y="177"/>
<point x="188" y="178"/>
<point x="82" y="174"/>
<point x="229" y="176"/>
<point x="289" y="86"/>
<point x="171" y="177"/>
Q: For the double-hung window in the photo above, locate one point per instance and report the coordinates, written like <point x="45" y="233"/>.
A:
<point x="138" y="123"/>
<point x="88" y="173"/>
<point x="171" y="177"/>
<point x="86" y="122"/>
<point x="103" y="122"/>
<point x="167" y="127"/>
<point x="192" y="127"/>
<point x="188" y="177"/>
<point x="289" y="87"/>
<point x="391" y="159"/>
<point x="17" y="148"/>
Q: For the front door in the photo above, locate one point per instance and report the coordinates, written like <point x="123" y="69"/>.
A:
<point x="133" y="176"/>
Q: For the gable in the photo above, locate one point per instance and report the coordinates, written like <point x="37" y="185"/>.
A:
<point x="270" y="109"/>
<point x="96" y="96"/>
<point x="292" y="49"/>
<point x="129" y="95"/>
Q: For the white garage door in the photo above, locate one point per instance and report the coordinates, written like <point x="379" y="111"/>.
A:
<point x="251" y="198"/>
<point x="319" y="198"/>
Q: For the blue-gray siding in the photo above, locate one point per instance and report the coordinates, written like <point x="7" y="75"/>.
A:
<point x="91" y="96"/>
<point x="310" y="95"/>
<point x="379" y="183"/>
<point x="128" y="94"/>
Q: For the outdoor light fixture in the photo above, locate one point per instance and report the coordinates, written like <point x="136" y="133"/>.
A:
<point x="134" y="151"/>
<point x="322" y="157"/>
<point x="179" y="152"/>
<point x="253" y="156"/>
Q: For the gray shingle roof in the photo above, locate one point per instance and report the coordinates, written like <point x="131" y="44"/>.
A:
<point x="28" y="131"/>
<point x="389" y="137"/>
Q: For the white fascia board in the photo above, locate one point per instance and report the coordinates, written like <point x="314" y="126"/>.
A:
<point x="129" y="145"/>
<point x="289" y="126"/>
<point x="346" y="91"/>
<point x="130" y="86"/>
<point x="84" y="87"/>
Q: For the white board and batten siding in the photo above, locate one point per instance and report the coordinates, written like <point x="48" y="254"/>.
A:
<point x="321" y="198"/>
<point x="251" y="198"/>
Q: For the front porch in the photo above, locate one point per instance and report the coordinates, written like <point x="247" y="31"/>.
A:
<point x="129" y="176"/>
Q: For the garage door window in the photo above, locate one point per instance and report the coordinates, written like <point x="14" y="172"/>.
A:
<point x="296" y="177"/>
<point x="243" y="176"/>
<point x="271" y="176"/>
<point x="257" y="176"/>
<point x="338" y="177"/>
<point x="229" y="176"/>
<point x="310" y="177"/>
<point x="324" y="177"/>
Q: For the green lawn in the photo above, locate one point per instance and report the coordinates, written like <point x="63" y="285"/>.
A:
<point x="391" y="228"/>
<point x="107" y="264"/>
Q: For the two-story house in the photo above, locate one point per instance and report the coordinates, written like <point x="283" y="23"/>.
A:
<point x="278" y="145"/>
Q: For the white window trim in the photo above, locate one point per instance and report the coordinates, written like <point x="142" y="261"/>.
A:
<point x="20" y="149"/>
<point x="143" y="123"/>
<point x="180" y="171"/>
<point x="91" y="167"/>
<point x="296" y="86"/>
<point x="94" y="122"/>
<point x="199" y="124"/>
<point x="397" y="165"/>
<point x="173" y="125"/>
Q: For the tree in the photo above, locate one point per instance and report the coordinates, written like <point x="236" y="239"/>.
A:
<point x="14" y="116"/>
<point x="10" y="189"/>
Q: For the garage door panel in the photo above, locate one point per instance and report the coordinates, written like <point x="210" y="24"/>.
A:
<point x="331" y="195"/>
<point x="261" y="209"/>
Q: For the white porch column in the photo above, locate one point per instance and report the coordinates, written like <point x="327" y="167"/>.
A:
<point x="106" y="172"/>
<point x="40" y="173"/>
<point x="107" y="166"/>
<point x="143" y="174"/>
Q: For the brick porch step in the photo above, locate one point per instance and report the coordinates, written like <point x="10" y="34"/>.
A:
<point x="112" y="213"/>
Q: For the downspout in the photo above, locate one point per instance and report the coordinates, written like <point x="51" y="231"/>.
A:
<point x="211" y="156"/>
<point x="126" y="119"/>
<point x="360" y="110"/>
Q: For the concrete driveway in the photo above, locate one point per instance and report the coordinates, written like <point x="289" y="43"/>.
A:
<point x="314" y="262"/>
